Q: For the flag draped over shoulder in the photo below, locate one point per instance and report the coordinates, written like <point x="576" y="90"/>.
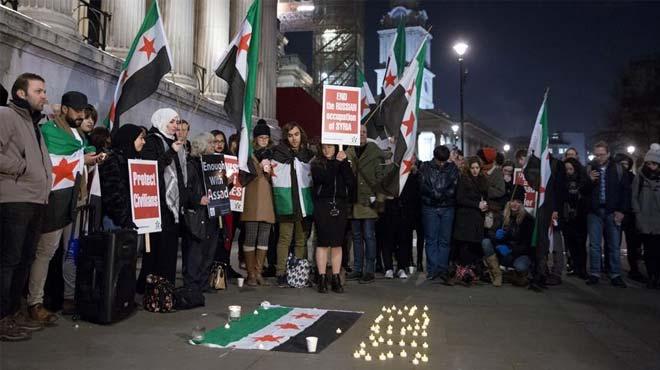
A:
<point x="283" y="189"/>
<point x="238" y="67"/>
<point x="148" y="60"/>
<point x="538" y="154"/>
<point x="398" y="114"/>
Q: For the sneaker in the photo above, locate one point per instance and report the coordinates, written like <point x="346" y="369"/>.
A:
<point x="389" y="274"/>
<point x="10" y="332"/>
<point x="592" y="280"/>
<point x="402" y="274"/>
<point x="23" y="321"/>
<point x="355" y="275"/>
<point x="618" y="282"/>
<point x="367" y="278"/>
<point x="281" y="281"/>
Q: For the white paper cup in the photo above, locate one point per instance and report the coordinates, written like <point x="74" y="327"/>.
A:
<point x="240" y="282"/>
<point x="234" y="313"/>
<point x="411" y="270"/>
<point x="311" y="344"/>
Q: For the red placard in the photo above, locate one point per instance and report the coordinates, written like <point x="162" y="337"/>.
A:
<point x="145" y="196"/>
<point x="340" y="120"/>
<point x="237" y="193"/>
<point x="530" y="194"/>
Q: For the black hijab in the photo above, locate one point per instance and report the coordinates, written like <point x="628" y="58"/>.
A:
<point x="123" y="141"/>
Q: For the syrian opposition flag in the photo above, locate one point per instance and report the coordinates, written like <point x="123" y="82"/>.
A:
<point x="539" y="152"/>
<point x="282" y="191"/>
<point x="238" y="67"/>
<point x="148" y="60"/>
<point x="365" y="92"/>
<point x="398" y="114"/>
<point x="396" y="60"/>
<point x="282" y="329"/>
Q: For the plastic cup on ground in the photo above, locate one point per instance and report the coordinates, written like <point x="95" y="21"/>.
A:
<point x="311" y="344"/>
<point x="240" y="282"/>
<point x="234" y="313"/>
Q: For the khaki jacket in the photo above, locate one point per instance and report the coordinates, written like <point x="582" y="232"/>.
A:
<point x="258" y="204"/>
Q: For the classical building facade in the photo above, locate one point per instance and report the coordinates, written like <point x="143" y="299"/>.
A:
<point x="48" y="37"/>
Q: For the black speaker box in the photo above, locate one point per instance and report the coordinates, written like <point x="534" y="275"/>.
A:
<point x="105" y="282"/>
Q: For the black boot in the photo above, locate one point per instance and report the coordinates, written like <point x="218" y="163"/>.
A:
<point x="336" y="284"/>
<point x="323" y="284"/>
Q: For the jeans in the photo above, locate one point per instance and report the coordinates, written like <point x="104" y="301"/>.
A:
<point x="364" y="229"/>
<point x="438" y="224"/>
<point x="601" y="222"/>
<point x="20" y="225"/>
<point x="520" y="263"/>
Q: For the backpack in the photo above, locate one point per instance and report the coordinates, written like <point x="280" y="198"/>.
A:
<point x="158" y="295"/>
<point x="297" y="272"/>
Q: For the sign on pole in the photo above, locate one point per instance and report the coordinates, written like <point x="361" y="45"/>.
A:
<point x="340" y="119"/>
<point x="530" y="194"/>
<point x="145" y="196"/>
<point x="215" y="183"/>
<point x="237" y="192"/>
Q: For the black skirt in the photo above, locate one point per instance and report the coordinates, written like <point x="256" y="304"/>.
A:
<point x="330" y="230"/>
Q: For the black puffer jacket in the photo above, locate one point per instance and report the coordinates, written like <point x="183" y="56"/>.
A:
<point x="438" y="184"/>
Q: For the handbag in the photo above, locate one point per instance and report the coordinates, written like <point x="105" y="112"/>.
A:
<point x="158" y="295"/>
<point x="196" y="223"/>
<point x="218" y="277"/>
<point x="297" y="272"/>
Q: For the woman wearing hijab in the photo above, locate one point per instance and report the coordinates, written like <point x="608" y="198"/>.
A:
<point x="162" y="146"/>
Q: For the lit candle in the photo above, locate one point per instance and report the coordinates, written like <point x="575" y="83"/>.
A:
<point x="402" y="343"/>
<point x="409" y="327"/>
<point x="362" y="352"/>
<point x="374" y="344"/>
<point x="425" y="359"/>
<point x="372" y="337"/>
<point x="391" y="319"/>
<point x="399" y="313"/>
<point x="416" y="321"/>
<point x="382" y="357"/>
<point x="415" y="361"/>
<point x="426" y="308"/>
<point x="405" y="308"/>
<point x="402" y="332"/>
<point x="389" y="342"/>
<point x="362" y="345"/>
<point x="338" y="331"/>
<point x="416" y="327"/>
<point x="389" y="331"/>
<point x="390" y="354"/>
<point x="424" y="315"/>
<point x="393" y="307"/>
<point x="367" y="357"/>
<point x="418" y="355"/>
<point x="356" y="354"/>
<point x="227" y="326"/>
<point x="384" y="309"/>
<point x="413" y="344"/>
<point x="255" y="312"/>
<point x="261" y="346"/>
<point x="425" y="345"/>
<point x="403" y="319"/>
<point x="389" y="310"/>
<point x="389" y="327"/>
<point x="381" y="340"/>
<point x="415" y="333"/>
<point x="403" y="353"/>
<point x="414" y="307"/>
<point x="424" y="333"/>
<point x="411" y="314"/>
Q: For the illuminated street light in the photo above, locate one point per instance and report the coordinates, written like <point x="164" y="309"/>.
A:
<point x="507" y="147"/>
<point x="591" y="157"/>
<point x="461" y="48"/>
<point x="630" y="149"/>
<point x="454" y="128"/>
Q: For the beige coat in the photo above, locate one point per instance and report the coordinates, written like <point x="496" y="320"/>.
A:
<point x="258" y="205"/>
<point x="25" y="168"/>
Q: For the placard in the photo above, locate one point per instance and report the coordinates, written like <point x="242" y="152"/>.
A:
<point x="530" y="194"/>
<point x="237" y="192"/>
<point x="340" y="117"/>
<point x="215" y="183"/>
<point x="145" y="195"/>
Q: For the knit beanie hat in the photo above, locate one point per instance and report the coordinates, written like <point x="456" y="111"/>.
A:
<point x="487" y="155"/>
<point x="653" y="155"/>
<point x="261" y="128"/>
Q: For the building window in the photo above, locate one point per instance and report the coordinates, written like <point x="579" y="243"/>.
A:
<point x="425" y="146"/>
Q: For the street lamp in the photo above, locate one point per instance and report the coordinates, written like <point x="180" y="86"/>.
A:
<point x="461" y="48"/>
<point x="507" y="147"/>
<point x="630" y="149"/>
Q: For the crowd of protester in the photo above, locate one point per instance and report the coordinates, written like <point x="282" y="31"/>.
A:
<point x="468" y="216"/>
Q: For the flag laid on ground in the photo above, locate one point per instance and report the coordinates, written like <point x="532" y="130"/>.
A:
<point x="538" y="154"/>
<point x="282" y="191"/>
<point x="396" y="59"/>
<point x="398" y="114"/>
<point x="282" y="329"/>
<point x="238" y="67"/>
<point x="148" y="60"/>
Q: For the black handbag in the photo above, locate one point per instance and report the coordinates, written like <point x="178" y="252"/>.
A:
<point x="196" y="223"/>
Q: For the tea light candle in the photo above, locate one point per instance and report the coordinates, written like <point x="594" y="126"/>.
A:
<point x="389" y="342"/>
<point x="362" y="352"/>
<point x="409" y="328"/>
<point x="384" y="309"/>
<point x="426" y="308"/>
<point x="403" y="319"/>
<point x="372" y="337"/>
<point x="338" y="331"/>
<point x="389" y="327"/>
<point x="374" y="344"/>
<point x="261" y="346"/>
<point x="255" y="312"/>
<point x="390" y="354"/>
<point x="227" y="326"/>
<point x="414" y="307"/>
<point x="413" y="344"/>
<point x="381" y="340"/>
<point x="356" y="354"/>
<point x="391" y="319"/>
<point x="418" y="355"/>
<point x="399" y="313"/>
<point x="424" y="333"/>
<point x="382" y="357"/>
<point x="402" y="332"/>
<point x="367" y="357"/>
<point x="425" y="345"/>
<point x="415" y="361"/>
<point x="417" y="327"/>
<point x="405" y="308"/>
<point x="362" y="345"/>
<point x="403" y="353"/>
<point x="425" y="359"/>
<point x="393" y="307"/>
<point x="402" y="343"/>
<point x="416" y="321"/>
<point x="415" y="333"/>
<point x="389" y="332"/>
<point x="389" y="310"/>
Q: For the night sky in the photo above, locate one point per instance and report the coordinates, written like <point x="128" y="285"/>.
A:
<point x="517" y="49"/>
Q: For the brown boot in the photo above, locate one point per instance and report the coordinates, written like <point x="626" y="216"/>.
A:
<point x="259" y="266"/>
<point x="250" y="262"/>
<point x="519" y="279"/>
<point x="494" y="270"/>
<point x="40" y="314"/>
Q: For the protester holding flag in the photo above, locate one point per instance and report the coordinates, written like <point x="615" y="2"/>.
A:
<point x="333" y="183"/>
<point x="203" y="231"/>
<point x="69" y="153"/>
<point x="258" y="214"/>
<point x="367" y="162"/>
<point x="292" y="193"/>
<point x="127" y="143"/>
<point x="471" y="205"/>
<point x="162" y="146"/>
<point x="25" y="183"/>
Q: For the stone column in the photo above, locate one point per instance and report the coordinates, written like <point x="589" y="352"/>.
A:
<point x="56" y="13"/>
<point x="179" y="21"/>
<point x="267" y="72"/>
<point x="212" y="37"/>
<point x="127" y="17"/>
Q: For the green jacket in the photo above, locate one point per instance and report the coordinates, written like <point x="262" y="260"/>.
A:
<point x="369" y="170"/>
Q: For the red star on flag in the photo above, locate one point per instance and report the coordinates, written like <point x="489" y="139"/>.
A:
<point x="407" y="166"/>
<point x="268" y="338"/>
<point x="304" y="316"/>
<point x="64" y="170"/>
<point x="148" y="47"/>
<point x="244" y="43"/>
<point x="389" y="79"/>
<point x="272" y="169"/>
<point x="410" y="90"/>
<point x="288" y="325"/>
<point x="408" y="124"/>
<point x="365" y="106"/>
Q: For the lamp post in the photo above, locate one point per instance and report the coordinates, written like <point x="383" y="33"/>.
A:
<point x="460" y="48"/>
<point x="454" y="129"/>
<point x="630" y="149"/>
<point x="506" y="148"/>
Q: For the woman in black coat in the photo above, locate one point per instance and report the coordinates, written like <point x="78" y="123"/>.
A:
<point x="127" y="143"/>
<point x="333" y="181"/>
<point x="574" y="216"/>
<point x="471" y="196"/>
